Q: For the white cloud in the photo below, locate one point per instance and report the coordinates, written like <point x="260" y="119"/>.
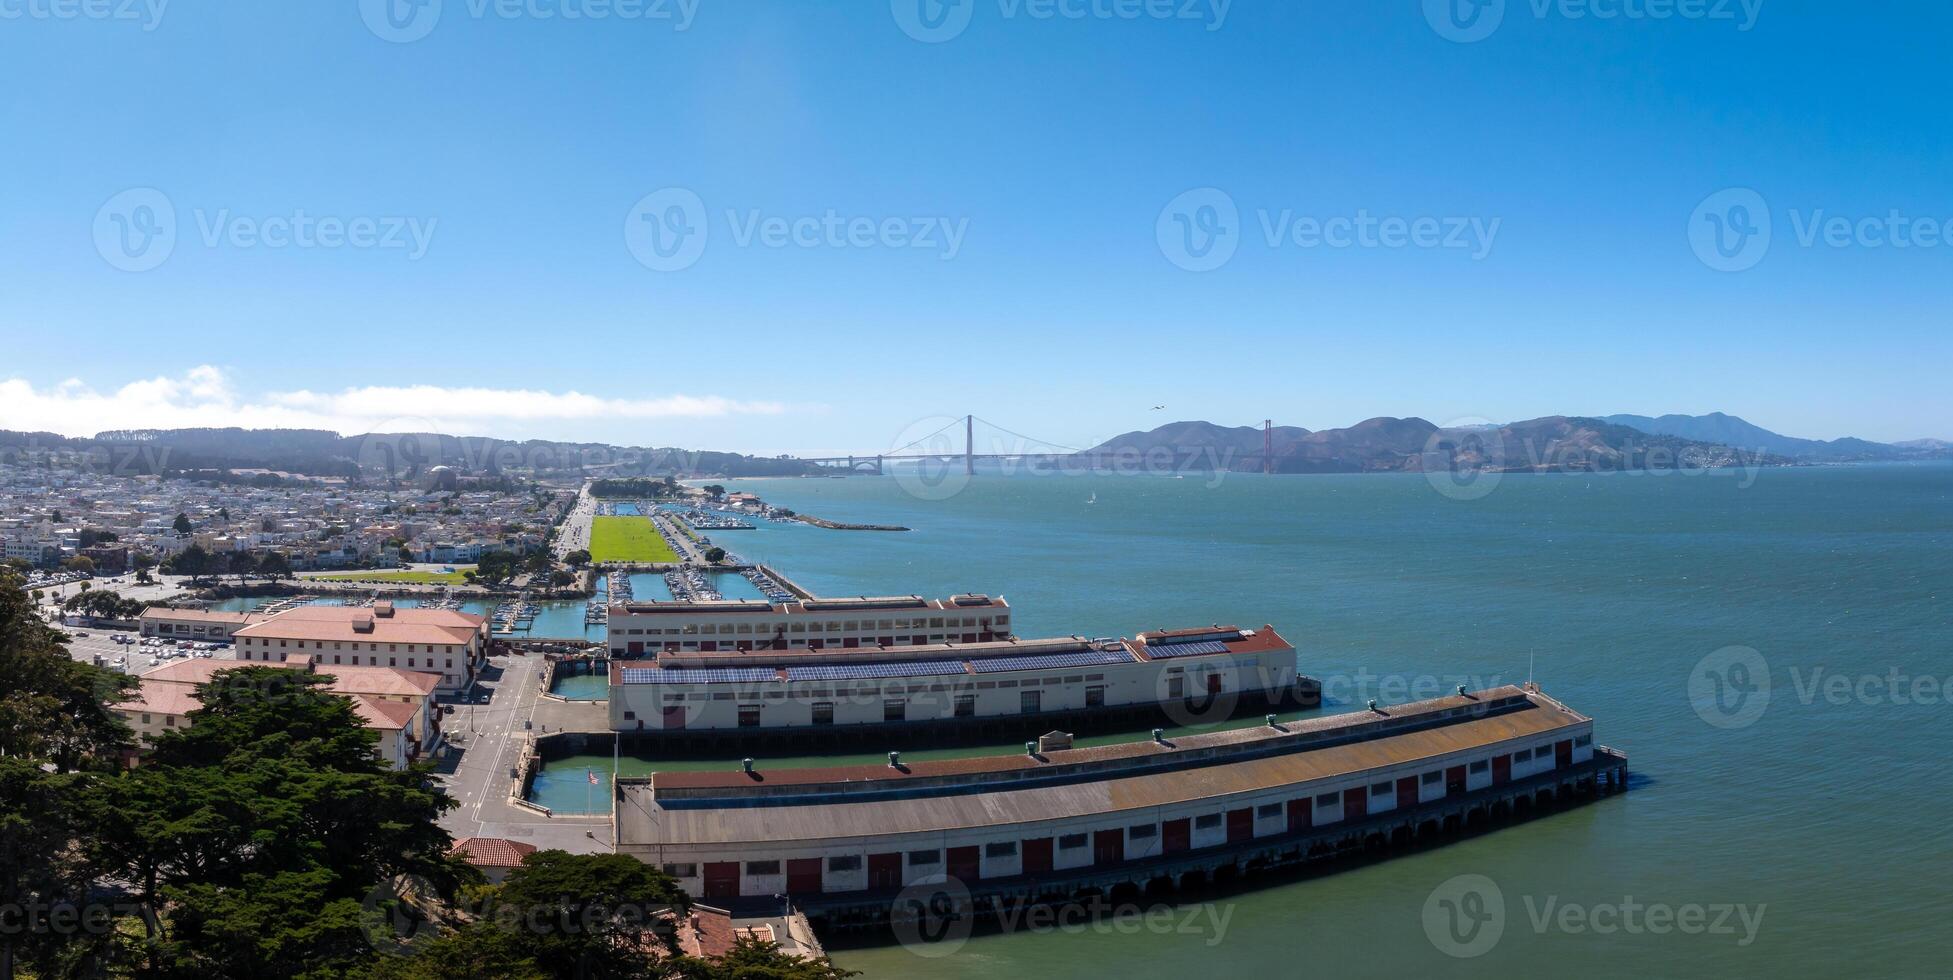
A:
<point x="204" y="396"/>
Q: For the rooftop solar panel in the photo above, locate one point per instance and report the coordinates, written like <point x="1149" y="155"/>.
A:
<point x="841" y="672"/>
<point x="1164" y="651"/>
<point x="702" y="675"/>
<point x="1089" y="658"/>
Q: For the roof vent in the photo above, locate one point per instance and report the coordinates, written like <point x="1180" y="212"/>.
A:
<point x="363" y="623"/>
<point x="383" y="609"/>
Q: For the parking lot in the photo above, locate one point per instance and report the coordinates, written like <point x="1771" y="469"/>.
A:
<point x="130" y="658"/>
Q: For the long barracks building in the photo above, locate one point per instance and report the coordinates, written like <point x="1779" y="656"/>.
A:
<point x="1165" y="676"/>
<point x="653" y="628"/>
<point x="843" y="842"/>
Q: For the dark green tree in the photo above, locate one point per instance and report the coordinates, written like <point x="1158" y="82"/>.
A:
<point x="182" y="524"/>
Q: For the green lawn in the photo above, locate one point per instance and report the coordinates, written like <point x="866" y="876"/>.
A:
<point x="415" y="578"/>
<point x="628" y="539"/>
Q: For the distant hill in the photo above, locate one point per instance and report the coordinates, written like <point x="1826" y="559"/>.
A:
<point x="1729" y="430"/>
<point x="1551" y="444"/>
<point x="401" y="455"/>
<point x="1925" y="445"/>
<point x="1171" y="436"/>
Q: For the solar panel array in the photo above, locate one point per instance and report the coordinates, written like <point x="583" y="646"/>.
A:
<point x="1164" y="651"/>
<point x="700" y="675"/>
<point x="842" y="672"/>
<point x="1089" y="658"/>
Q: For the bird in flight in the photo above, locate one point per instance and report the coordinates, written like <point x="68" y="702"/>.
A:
<point x="1158" y="407"/>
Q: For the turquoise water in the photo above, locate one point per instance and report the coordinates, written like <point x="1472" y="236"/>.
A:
<point x="582" y="687"/>
<point x="1615" y="588"/>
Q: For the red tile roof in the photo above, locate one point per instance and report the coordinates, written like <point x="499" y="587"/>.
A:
<point x="492" y="852"/>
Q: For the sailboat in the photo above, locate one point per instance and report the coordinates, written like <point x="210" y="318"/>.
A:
<point x="1093" y="499"/>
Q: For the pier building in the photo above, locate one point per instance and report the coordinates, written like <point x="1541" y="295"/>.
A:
<point x="654" y="628"/>
<point x="1162" y="677"/>
<point x="844" y="843"/>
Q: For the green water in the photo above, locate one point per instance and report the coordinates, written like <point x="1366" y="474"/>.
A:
<point x="1828" y="812"/>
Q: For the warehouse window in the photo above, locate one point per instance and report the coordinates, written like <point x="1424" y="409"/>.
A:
<point x="762" y="867"/>
<point x="1523" y="755"/>
<point x="1583" y="741"/>
<point x="1380" y="789"/>
<point x="1327" y="799"/>
<point x="1071" y="842"/>
<point x="1142" y="831"/>
<point x="823" y="712"/>
<point x="1095" y="697"/>
<point x="749" y="716"/>
<point x="1433" y="777"/>
<point x="966" y="706"/>
<point x="894" y="710"/>
<point x="1269" y="811"/>
<point x="925" y="857"/>
<point x="1207" y="821"/>
<point x="681" y="870"/>
<point x="850" y="862"/>
<point x="1000" y="849"/>
<point x="1481" y="766"/>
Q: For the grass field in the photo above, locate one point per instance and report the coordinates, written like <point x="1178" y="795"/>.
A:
<point x="631" y="539"/>
<point x="412" y="578"/>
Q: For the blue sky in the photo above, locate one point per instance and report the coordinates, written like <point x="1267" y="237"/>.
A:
<point x="990" y="220"/>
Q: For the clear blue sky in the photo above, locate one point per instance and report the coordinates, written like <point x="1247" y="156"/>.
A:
<point x="1054" y="143"/>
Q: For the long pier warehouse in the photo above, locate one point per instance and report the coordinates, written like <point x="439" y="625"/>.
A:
<point x="841" y="843"/>
<point x="959" y="685"/>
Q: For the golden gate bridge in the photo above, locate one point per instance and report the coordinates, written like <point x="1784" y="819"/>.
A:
<point x="938" y="446"/>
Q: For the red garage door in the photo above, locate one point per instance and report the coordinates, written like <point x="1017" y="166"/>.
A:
<point x="675" y="716"/>
<point x="964" y="863"/>
<point x="1454" y="781"/>
<point x="884" y="871"/>
<point x="1356" y="803"/>
<point x="1501" y="770"/>
<point x="1563" y="754"/>
<point x="804" y="876"/>
<point x="1037" y="855"/>
<point x="1407" y="792"/>
<point x="1240" y="824"/>
<point x="1108" y="847"/>
<point x="1300" y="817"/>
<point x="722" y="879"/>
<point x="1176" y="836"/>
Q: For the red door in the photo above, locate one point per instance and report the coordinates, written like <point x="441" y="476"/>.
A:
<point x="1501" y="770"/>
<point x="1454" y="781"/>
<point x="1300" y="817"/>
<point x="884" y="871"/>
<point x="722" y="879"/>
<point x="708" y="646"/>
<point x="1356" y="803"/>
<point x="965" y="864"/>
<point x="1563" y="754"/>
<point x="1176" y="836"/>
<point x="675" y="716"/>
<point x="1406" y="792"/>
<point x="1108" y="847"/>
<point x="1213" y="683"/>
<point x="1037" y="855"/>
<point x="636" y="648"/>
<point x="804" y="876"/>
<point x="1240" y="824"/>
